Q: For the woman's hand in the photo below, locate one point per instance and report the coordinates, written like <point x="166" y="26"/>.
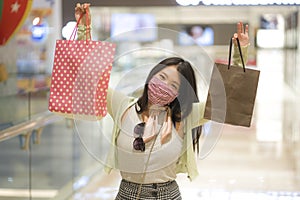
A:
<point x="83" y="9"/>
<point x="242" y="34"/>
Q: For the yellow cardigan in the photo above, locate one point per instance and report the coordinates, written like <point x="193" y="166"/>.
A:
<point x="118" y="103"/>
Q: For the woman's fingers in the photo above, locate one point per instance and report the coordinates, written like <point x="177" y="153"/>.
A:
<point x="241" y="34"/>
<point x="247" y="29"/>
<point x="82" y="7"/>
<point x="86" y="5"/>
<point x="81" y="10"/>
<point x="240" y="28"/>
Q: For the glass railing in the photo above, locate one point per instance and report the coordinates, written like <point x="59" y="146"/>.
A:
<point x="53" y="168"/>
<point x="41" y="153"/>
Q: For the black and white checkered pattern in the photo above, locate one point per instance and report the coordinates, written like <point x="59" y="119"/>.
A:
<point x="158" y="191"/>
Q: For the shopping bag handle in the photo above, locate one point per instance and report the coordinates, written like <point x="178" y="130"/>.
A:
<point x="72" y="37"/>
<point x="240" y="51"/>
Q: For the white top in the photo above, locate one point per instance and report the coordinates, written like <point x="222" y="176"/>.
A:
<point x="132" y="163"/>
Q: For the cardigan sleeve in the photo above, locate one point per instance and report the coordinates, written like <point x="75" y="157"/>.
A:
<point x="114" y="100"/>
<point x="236" y="58"/>
<point x="81" y="32"/>
<point x="197" y="115"/>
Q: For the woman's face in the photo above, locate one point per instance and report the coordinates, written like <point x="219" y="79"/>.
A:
<point x="170" y="76"/>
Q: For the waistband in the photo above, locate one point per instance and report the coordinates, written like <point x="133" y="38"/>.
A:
<point x="151" y="185"/>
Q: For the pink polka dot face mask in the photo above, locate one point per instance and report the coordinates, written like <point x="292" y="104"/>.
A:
<point x="159" y="93"/>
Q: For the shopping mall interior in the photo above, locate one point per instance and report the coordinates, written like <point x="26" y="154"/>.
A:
<point x="46" y="155"/>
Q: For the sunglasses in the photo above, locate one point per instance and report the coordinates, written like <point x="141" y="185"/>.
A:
<point x="138" y="143"/>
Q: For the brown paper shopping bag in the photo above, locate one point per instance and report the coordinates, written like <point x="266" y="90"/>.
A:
<point x="80" y="78"/>
<point x="232" y="93"/>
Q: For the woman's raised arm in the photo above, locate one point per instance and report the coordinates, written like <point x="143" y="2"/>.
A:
<point x="242" y="33"/>
<point x="83" y="17"/>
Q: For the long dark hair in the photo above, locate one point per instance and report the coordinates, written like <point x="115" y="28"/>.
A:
<point x="182" y="105"/>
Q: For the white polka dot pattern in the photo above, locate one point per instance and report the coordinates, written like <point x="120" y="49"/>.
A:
<point x="80" y="77"/>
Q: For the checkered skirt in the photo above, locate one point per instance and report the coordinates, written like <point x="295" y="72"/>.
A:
<point x="158" y="191"/>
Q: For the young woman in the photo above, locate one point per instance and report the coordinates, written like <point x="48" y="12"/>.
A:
<point x="154" y="136"/>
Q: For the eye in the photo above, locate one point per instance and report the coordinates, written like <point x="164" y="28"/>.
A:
<point x="162" y="77"/>
<point x="174" y="86"/>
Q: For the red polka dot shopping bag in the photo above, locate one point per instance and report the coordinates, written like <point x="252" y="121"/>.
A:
<point x="80" y="77"/>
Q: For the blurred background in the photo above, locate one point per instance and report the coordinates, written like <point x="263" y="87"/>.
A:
<point x="45" y="156"/>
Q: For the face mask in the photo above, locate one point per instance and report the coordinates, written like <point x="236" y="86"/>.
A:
<point x="159" y="93"/>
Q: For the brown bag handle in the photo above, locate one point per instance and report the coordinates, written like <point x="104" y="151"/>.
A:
<point x="240" y="50"/>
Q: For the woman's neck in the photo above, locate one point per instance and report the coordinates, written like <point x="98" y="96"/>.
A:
<point x="152" y="108"/>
